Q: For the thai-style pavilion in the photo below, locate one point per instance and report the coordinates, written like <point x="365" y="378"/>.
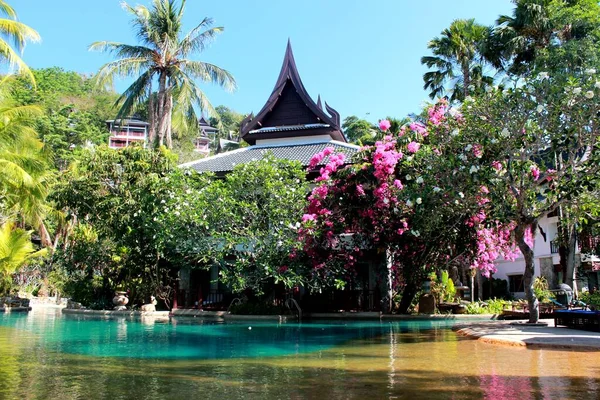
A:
<point x="206" y="136"/>
<point x="291" y="125"/>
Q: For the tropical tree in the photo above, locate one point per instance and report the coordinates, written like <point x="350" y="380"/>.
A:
<point x="24" y="165"/>
<point x="458" y="61"/>
<point x="163" y="56"/>
<point x="358" y="129"/>
<point x="410" y="200"/>
<point x="539" y="151"/>
<point x="18" y="33"/>
<point x="546" y="35"/>
<point x="15" y="250"/>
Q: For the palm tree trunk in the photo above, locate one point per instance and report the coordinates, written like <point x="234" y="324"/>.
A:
<point x="528" y="255"/>
<point x="169" y="116"/>
<point x="45" y="236"/>
<point x="162" y="94"/>
<point x="466" y="80"/>
<point x="151" y="120"/>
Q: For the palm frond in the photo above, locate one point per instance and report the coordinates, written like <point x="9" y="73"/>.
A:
<point x="18" y="32"/>
<point x="135" y="95"/>
<point x="209" y="73"/>
<point x="15" y="61"/>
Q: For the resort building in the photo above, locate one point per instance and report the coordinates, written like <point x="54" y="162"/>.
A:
<point x="548" y="263"/>
<point x="291" y="125"/>
<point x="124" y="132"/>
<point x="206" y="136"/>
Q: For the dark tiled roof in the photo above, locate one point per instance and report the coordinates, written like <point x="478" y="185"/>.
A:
<point x="225" y="162"/>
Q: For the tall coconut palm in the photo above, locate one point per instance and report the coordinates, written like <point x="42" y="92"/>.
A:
<point x="18" y="33"/>
<point x="162" y="56"/>
<point x="457" y="61"/>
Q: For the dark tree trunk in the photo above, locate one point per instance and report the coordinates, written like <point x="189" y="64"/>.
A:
<point x="410" y="290"/>
<point x="528" y="255"/>
<point x="151" y="119"/>
<point x="571" y="272"/>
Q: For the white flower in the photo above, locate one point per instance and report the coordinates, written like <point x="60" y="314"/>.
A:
<point x="540" y="108"/>
<point x="597" y="85"/>
<point x="436" y="189"/>
<point x="488" y="89"/>
<point x="577" y="90"/>
<point x="505" y="133"/>
<point x="473" y="169"/>
<point x="494" y="141"/>
<point x="419" y="200"/>
<point x="420" y="180"/>
<point x="163" y="201"/>
<point x="468" y="147"/>
<point x="408" y="177"/>
<point x="416" y="233"/>
<point x="468" y="98"/>
<point x="589" y="94"/>
<point x="461" y="194"/>
<point x="462" y="157"/>
<point x="452" y="111"/>
<point x="590" y="71"/>
<point x="483" y="118"/>
<point x="543" y="75"/>
<point x="454" y="132"/>
<point x="456" y="202"/>
<point x="409" y="203"/>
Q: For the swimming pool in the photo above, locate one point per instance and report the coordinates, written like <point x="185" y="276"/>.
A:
<point x="48" y="355"/>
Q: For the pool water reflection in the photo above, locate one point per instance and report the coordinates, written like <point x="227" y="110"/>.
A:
<point x="47" y="355"/>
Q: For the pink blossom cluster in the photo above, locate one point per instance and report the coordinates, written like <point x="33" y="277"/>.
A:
<point x="478" y="150"/>
<point x="437" y="113"/>
<point x="535" y="172"/>
<point x="419" y="128"/>
<point x="413" y="147"/>
<point x="385" y="159"/>
<point x="335" y="161"/>
<point x="317" y="158"/>
<point x="493" y="243"/>
<point x="384" y="125"/>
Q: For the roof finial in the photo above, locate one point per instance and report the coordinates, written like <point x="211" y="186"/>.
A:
<point x="319" y="102"/>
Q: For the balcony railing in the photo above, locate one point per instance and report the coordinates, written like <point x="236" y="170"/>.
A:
<point x="554" y="247"/>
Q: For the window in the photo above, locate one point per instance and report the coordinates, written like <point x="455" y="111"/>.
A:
<point x="515" y="283"/>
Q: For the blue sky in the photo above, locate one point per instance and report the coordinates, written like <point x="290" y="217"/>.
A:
<point x="363" y="57"/>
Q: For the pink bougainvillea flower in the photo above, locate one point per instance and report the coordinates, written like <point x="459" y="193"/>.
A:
<point x="497" y="165"/>
<point x="384" y="125"/>
<point x="535" y="172"/>
<point x="413" y="147"/>
<point x="419" y="128"/>
<point x="398" y="184"/>
<point x="308" y="217"/>
<point x="484" y="189"/>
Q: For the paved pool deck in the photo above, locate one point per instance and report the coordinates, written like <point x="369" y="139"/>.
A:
<point x="544" y="337"/>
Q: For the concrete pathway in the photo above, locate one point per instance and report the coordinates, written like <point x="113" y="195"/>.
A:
<point x="502" y="332"/>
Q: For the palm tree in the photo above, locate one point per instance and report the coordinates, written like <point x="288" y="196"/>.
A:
<point x="18" y="33"/>
<point x="537" y="26"/>
<point x="24" y="164"/>
<point x="458" y="61"/>
<point x="15" y="250"/>
<point x="163" y="56"/>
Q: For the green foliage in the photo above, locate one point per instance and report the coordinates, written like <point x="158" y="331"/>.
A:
<point x="15" y="250"/>
<point x="492" y="306"/>
<point x="74" y="112"/>
<point x="255" y="223"/>
<point x="540" y="288"/>
<point x="443" y="289"/>
<point x="358" y="130"/>
<point x="591" y="299"/>
<point x="120" y="195"/>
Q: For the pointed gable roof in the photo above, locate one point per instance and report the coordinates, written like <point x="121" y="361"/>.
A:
<point x="290" y="111"/>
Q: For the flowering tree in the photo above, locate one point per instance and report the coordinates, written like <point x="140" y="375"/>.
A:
<point x="411" y="198"/>
<point x="253" y="223"/>
<point x="539" y="151"/>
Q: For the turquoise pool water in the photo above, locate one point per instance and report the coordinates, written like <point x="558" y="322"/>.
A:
<point x="46" y="355"/>
<point x="190" y="338"/>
